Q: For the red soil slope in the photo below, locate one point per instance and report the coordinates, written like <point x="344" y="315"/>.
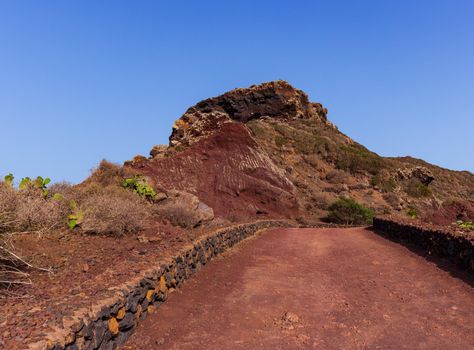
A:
<point x="229" y="172"/>
<point x="452" y="211"/>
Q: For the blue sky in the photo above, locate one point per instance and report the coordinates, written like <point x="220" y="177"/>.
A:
<point x="86" y="80"/>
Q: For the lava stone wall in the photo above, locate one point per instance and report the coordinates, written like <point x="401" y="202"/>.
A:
<point x="456" y="246"/>
<point x="109" y="325"/>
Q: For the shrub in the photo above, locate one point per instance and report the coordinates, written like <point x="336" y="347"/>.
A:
<point x="385" y="184"/>
<point x="28" y="209"/>
<point x="140" y="186"/>
<point x="108" y="173"/>
<point x="114" y="212"/>
<point x="39" y="183"/>
<point x="8" y="179"/>
<point x="356" y="158"/>
<point x="337" y="176"/>
<point x="257" y="129"/>
<point x="347" y="211"/>
<point x="412" y="212"/>
<point x="321" y="200"/>
<point x="415" y="188"/>
<point x="392" y="199"/>
<point x="468" y="225"/>
<point x="280" y="140"/>
<point x="8" y="202"/>
<point x="33" y="212"/>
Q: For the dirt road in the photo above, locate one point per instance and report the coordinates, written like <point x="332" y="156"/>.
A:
<point x="315" y="289"/>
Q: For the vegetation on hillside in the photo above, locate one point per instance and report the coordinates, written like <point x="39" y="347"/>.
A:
<point x="111" y="201"/>
<point x="347" y="211"/>
<point x="468" y="225"/>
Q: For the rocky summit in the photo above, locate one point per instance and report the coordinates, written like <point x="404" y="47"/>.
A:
<point x="268" y="151"/>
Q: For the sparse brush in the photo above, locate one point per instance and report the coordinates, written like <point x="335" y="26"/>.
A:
<point x="356" y="158"/>
<point x="415" y="188"/>
<point x="114" y="212"/>
<point x="108" y="173"/>
<point x="8" y="204"/>
<point x="36" y="213"/>
<point x="392" y="199"/>
<point x="321" y="200"/>
<point x="337" y="176"/>
<point x="12" y="269"/>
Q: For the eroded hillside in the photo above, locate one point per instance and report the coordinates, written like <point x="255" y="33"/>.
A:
<point x="267" y="151"/>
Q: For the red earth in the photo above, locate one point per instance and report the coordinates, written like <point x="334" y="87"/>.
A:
<point x="315" y="289"/>
<point x="229" y="172"/>
<point x="452" y="211"/>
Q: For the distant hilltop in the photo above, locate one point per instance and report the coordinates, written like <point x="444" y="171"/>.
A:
<point x="267" y="151"/>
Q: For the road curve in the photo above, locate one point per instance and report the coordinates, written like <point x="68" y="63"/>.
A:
<point x="315" y="289"/>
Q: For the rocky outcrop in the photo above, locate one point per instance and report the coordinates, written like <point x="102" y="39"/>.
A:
<point x="158" y="151"/>
<point x="423" y="174"/>
<point x="269" y="100"/>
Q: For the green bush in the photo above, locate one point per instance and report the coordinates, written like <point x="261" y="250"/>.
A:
<point x="347" y="211"/>
<point x="8" y="179"/>
<point x="412" y="212"/>
<point x="140" y="186"/>
<point x="469" y="225"/>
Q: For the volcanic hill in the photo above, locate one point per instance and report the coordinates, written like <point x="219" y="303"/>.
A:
<point x="267" y="151"/>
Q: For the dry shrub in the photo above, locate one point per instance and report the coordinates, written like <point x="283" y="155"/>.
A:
<point x="415" y="188"/>
<point x="392" y="199"/>
<point x="35" y="213"/>
<point x="178" y="216"/>
<point x="114" y="211"/>
<point x="184" y="209"/>
<point x="337" y="176"/>
<point x="28" y="210"/>
<point x="108" y="173"/>
<point x="322" y="200"/>
<point x="8" y="203"/>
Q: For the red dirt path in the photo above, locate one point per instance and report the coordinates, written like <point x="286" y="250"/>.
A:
<point x="343" y="288"/>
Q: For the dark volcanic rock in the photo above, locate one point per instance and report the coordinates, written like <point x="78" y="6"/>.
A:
<point x="272" y="100"/>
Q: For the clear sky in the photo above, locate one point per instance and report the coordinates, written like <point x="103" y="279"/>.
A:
<point x="86" y="80"/>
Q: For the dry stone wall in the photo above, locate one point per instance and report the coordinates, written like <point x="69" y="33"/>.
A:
<point x="108" y="324"/>
<point x="457" y="246"/>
